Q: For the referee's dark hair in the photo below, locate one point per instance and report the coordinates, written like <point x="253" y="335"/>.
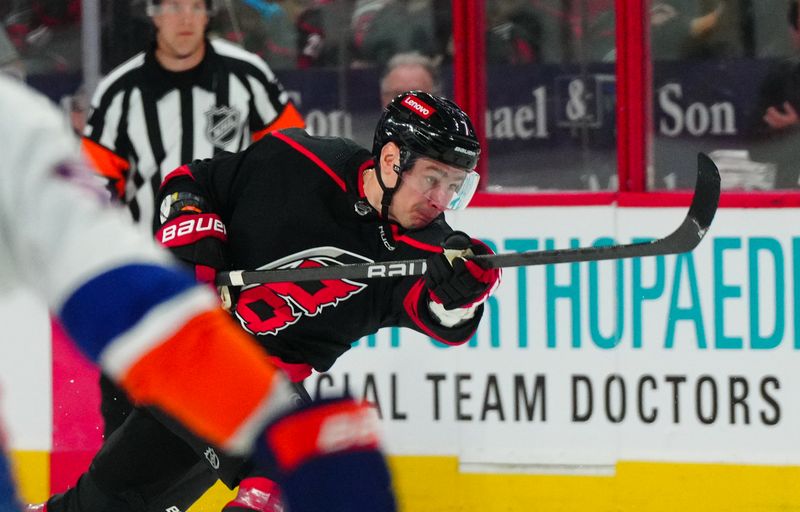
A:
<point x="792" y="15"/>
<point x="211" y="6"/>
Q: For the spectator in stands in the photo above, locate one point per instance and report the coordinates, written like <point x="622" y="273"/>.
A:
<point x="514" y="32"/>
<point x="696" y="29"/>
<point x="776" y="116"/>
<point x="363" y="16"/>
<point x="287" y="33"/>
<point x="266" y="28"/>
<point x="409" y="72"/>
<point x="47" y="34"/>
<point x="323" y="34"/>
<point x="780" y="93"/>
<point x="397" y="26"/>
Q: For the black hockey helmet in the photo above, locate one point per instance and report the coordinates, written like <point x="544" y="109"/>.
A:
<point x="424" y="125"/>
<point x="430" y="126"/>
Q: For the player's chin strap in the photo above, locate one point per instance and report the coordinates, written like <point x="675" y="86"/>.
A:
<point x="388" y="192"/>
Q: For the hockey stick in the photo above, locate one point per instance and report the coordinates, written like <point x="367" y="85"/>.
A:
<point x="685" y="238"/>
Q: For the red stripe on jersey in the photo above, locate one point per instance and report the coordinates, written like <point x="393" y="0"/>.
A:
<point x="177" y="173"/>
<point x="413" y="243"/>
<point x="369" y="164"/>
<point x="209" y="375"/>
<point x="314" y="158"/>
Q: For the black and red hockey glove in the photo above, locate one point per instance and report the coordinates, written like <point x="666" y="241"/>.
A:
<point x="454" y="280"/>
<point x="192" y="235"/>
<point x="328" y="457"/>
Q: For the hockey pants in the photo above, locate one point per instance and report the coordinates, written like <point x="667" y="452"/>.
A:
<point x="150" y="464"/>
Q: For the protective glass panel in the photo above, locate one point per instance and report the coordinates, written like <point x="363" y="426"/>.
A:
<point x="726" y="82"/>
<point x="551" y="86"/>
<point x="551" y="120"/>
<point x="40" y="37"/>
<point x="342" y="60"/>
<point x="40" y="42"/>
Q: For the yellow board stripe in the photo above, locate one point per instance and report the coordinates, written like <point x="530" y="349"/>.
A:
<point x="32" y="471"/>
<point x="434" y="484"/>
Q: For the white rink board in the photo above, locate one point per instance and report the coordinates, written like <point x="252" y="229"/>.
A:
<point x="754" y="419"/>
<point x="25" y="383"/>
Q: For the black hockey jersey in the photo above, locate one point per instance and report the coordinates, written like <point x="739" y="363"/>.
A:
<point x="294" y="200"/>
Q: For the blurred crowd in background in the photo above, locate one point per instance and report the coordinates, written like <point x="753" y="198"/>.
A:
<point x="303" y="34"/>
<point x="295" y="34"/>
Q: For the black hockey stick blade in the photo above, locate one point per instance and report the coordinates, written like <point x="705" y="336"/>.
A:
<point x="684" y="239"/>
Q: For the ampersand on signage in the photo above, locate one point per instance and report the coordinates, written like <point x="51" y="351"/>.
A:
<point x="576" y="106"/>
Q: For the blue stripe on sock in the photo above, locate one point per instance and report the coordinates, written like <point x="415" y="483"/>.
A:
<point x="115" y="301"/>
<point x="8" y="501"/>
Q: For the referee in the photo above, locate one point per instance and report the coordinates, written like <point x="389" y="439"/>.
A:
<point x="185" y="97"/>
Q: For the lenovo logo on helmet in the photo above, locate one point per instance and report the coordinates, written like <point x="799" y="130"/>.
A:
<point x="417" y="105"/>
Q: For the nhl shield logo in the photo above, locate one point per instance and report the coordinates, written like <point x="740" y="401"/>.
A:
<point x="223" y="125"/>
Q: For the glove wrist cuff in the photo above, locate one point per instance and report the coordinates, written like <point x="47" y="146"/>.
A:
<point x="188" y="229"/>
<point x="451" y="317"/>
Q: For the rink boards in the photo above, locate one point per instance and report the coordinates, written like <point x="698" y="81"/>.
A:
<point x="647" y="384"/>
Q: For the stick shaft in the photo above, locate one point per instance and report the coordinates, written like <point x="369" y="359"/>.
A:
<point x="683" y="239"/>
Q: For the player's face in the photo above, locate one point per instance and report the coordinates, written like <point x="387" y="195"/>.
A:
<point x="181" y="28"/>
<point x="425" y="191"/>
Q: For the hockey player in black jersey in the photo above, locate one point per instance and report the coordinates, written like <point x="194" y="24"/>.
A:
<point x="298" y="200"/>
<point x="294" y="200"/>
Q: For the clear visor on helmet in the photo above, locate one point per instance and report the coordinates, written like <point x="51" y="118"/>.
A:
<point x="447" y="187"/>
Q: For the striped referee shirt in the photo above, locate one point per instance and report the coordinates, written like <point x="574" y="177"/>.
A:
<point x="146" y="121"/>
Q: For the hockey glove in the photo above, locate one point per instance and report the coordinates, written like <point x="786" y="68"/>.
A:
<point x="457" y="283"/>
<point x="192" y="235"/>
<point x="327" y="455"/>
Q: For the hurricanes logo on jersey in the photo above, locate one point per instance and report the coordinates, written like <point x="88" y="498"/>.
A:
<point x="268" y="308"/>
<point x="223" y="125"/>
